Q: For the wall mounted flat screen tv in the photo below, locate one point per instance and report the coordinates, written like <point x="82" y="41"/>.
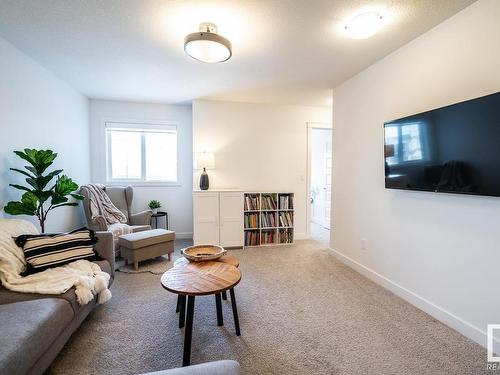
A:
<point x="453" y="149"/>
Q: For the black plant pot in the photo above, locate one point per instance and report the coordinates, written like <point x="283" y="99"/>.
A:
<point x="204" y="180"/>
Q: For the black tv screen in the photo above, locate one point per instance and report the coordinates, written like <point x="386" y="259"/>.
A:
<point x="453" y="149"/>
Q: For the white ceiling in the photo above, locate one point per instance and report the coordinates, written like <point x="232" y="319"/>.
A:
<point x="284" y="51"/>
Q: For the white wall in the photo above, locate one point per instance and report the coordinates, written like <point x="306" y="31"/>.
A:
<point x="176" y="200"/>
<point x="439" y="251"/>
<point x="257" y="147"/>
<point x="38" y="110"/>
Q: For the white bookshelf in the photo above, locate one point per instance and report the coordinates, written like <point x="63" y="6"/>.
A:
<point x="268" y="219"/>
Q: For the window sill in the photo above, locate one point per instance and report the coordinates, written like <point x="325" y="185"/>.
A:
<point x="143" y="184"/>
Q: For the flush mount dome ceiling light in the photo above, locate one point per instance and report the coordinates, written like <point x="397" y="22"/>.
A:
<point x="364" y="25"/>
<point x="207" y="46"/>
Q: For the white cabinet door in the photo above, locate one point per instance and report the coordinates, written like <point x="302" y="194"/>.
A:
<point x="206" y="218"/>
<point x="231" y="219"/>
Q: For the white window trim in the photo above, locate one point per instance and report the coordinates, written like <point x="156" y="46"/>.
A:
<point x="139" y="125"/>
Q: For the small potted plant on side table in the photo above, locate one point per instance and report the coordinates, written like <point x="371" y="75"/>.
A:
<point x="154" y="205"/>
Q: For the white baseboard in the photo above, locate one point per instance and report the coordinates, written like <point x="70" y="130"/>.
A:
<point x="183" y="235"/>
<point x="301" y="236"/>
<point x="465" y="328"/>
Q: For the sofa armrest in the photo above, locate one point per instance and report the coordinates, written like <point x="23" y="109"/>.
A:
<point x="105" y="248"/>
<point x="141" y="218"/>
<point x="98" y="223"/>
<point x="226" y="367"/>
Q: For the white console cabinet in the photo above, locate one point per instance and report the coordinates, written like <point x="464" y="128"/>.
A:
<point x="218" y="218"/>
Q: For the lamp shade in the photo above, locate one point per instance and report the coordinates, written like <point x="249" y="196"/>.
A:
<point x="208" y="46"/>
<point x="204" y="160"/>
<point x="389" y="151"/>
<point x="364" y="25"/>
<point x="210" y="49"/>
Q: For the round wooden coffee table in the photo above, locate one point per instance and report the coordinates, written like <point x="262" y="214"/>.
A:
<point x="200" y="279"/>
<point x="228" y="258"/>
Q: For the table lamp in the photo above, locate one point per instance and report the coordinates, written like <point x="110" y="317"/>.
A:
<point x="389" y="152"/>
<point x="204" y="160"/>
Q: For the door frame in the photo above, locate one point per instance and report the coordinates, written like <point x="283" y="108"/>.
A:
<point x="309" y="127"/>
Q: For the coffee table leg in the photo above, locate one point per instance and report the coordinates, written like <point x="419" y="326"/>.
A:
<point x="188" y="333"/>
<point x="224" y="295"/>
<point x="218" y="304"/>
<point x="235" y="312"/>
<point x="182" y="306"/>
<point x="177" y="307"/>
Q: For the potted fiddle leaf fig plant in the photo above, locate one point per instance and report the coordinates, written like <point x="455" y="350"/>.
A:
<point x="154" y="205"/>
<point x="38" y="199"/>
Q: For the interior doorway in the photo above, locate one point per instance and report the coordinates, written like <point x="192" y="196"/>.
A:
<point x="319" y="181"/>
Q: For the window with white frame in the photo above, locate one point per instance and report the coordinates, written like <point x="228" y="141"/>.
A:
<point x="141" y="152"/>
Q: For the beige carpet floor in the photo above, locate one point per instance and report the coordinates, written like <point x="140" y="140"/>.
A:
<point x="301" y="312"/>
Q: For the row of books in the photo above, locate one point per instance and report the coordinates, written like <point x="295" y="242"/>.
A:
<point x="252" y="202"/>
<point x="268" y="202"/>
<point x="268" y="220"/>
<point x="286" y="202"/>
<point x="267" y="237"/>
<point x="252" y="238"/>
<point x="286" y="219"/>
<point x="251" y="221"/>
<point x="285" y="236"/>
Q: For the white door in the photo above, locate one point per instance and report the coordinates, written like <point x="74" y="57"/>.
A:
<point x="321" y="176"/>
<point x="231" y="219"/>
<point x="206" y="218"/>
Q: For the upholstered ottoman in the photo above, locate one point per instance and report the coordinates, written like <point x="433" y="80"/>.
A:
<point x="147" y="244"/>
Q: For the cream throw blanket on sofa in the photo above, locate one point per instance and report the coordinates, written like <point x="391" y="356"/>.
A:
<point x="85" y="276"/>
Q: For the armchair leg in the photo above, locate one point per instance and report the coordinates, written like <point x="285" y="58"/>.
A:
<point x="136" y="266"/>
<point x="126" y="261"/>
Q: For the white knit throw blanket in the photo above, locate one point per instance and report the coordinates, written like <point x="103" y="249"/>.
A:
<point x="85" y="276"/>
<point x="101" y="205"/>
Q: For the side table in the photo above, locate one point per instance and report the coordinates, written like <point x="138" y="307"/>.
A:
<point x="155" y="218"/>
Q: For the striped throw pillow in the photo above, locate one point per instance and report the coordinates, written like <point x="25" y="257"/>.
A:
<point x="43" y="251"/>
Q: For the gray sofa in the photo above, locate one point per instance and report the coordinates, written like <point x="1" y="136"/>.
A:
<point x="35" y="327"/>
<point x="227" y="367"/>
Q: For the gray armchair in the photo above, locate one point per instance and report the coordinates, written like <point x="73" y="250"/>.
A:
<point x="122" y="199"/>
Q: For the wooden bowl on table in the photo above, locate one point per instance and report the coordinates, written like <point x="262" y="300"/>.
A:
<point x="200" y="253"/>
